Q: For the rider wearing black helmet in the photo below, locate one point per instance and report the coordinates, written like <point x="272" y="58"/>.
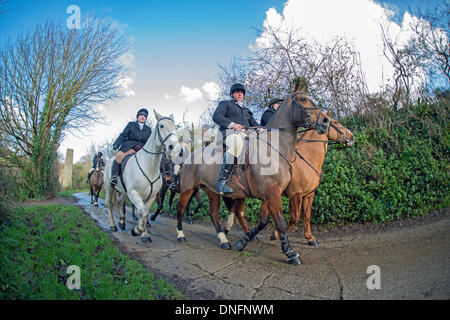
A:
<point x="131" y="140"/>
<point x="231" y="115"/>
<point x="94" y="163"/>
<point x="270" y="111"/>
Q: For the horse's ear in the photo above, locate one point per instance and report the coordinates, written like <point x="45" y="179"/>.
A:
<point x="157" y="115"/>
<point x="303" y="90"/>
<point x="328" y="111"/>
<point x="297" y="85"/>
<point x="171" y="116"/>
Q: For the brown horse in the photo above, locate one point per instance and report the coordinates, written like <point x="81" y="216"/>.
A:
<point x="278" y="139"/>
<point x="96" y="181"/>
<point x="309" y="156"/>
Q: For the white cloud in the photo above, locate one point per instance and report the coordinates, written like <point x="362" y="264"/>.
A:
<point x="357" y="20"/>
<point x="168" y="96"/>
<point x="212" y="91"/>
<point x="189" y="95"/>
<point x="125" y="84"/>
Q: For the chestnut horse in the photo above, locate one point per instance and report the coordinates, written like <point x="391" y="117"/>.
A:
<point x="96" y="181"/>
<point x="309" y="156"/>
<point x="279" y="139"/>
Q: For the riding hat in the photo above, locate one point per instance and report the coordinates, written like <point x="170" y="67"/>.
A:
<point x="273" y="101"/>
<point x="99" y="154"/>
<point x="236" y="87"/>
<point x="142" y="111"/>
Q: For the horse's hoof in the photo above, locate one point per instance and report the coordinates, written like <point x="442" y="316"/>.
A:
<point x="225" y="246"/>
<point x="295" y="260"/>
<point x="134" y="233"/>
<point x="181" y="239"/>
<point x="272" y="237"/>
<point x="313" y="243"/>
<point x="146" y="239"/>
<point x="122" y="226"/>
<point x="241" y="244"/>
<point x="153" y="217"/>
<point x="96" y="204"/>
<point x="113" y="229"/>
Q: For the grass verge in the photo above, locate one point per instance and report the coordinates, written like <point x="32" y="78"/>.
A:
<point x="38" y="245"/>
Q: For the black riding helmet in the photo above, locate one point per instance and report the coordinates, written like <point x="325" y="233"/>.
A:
<point x="273" y="101"/>
<point x="99" y="154"/>
<point x="142" y="111"/>
<point x="236" y="87"/>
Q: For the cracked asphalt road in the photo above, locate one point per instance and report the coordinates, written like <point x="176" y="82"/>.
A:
<point x="414" y="261"/>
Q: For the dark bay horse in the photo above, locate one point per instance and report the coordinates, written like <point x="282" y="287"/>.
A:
<point x="278" y="139"/>
<point x="96" y="182"/>
<point x="171" y="174"/>
<point x="311" y="149"/>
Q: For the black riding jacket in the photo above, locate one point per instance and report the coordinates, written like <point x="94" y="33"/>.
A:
<point x="229" y="111"/>
<point x="132" y="136"/>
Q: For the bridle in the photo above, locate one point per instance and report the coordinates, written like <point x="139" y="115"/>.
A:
<point x="162" y="150"/>
<point x="162" y="147"/>
<point x="306" y="116"/>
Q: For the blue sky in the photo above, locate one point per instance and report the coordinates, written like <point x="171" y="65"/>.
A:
<point x="176" y="44"/>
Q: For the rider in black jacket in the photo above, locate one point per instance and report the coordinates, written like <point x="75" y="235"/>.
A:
<point x="131" y="140"/>
<point x="270" y="111"/>
<point x="233" y="115"/>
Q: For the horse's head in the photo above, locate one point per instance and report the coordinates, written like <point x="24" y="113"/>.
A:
<point x="305" y="113"/>
<point x="167" y="137"/>
<point x="337" y="132"/>
<point x="98" y="164"/>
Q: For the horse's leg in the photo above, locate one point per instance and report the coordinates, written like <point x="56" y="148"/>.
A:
<point x="240" y="212"/>
<point x="273" y="205"/>
<point x="172" y="195"/>
<point x="122" y="212"/>
<point x="199" y="201"/>
<point x="214" y="204"/>
<point x="91" y="192"/>
<point x="229" y="204"/>
<point x="263" y="220"/>
<point x="141" y="227"/>
<point x="307" y="206"/>
<point x="112" y="224"/>
<point x="160" y="198"/>
<point x="276" y="212"/>
<point x="188" y="211"/>
<point x="182" y="203"/>
<point x="295" y="204"/>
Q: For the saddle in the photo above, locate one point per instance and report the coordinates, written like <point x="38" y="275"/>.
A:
<point x="122" y="168"/>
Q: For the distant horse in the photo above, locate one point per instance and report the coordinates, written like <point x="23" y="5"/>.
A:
<point x="141" y="177"/>
<point x="297" y="110"/>
<point x="171" y="182"/>
<point x="309" y="156"/>
<point x="96" y="181"/>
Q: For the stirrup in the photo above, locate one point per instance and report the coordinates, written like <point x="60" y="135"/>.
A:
<point x="223" y="185"/>
<point x="114" y="181"/>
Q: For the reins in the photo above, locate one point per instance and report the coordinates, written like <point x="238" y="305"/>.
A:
<point x="163" y="147"/>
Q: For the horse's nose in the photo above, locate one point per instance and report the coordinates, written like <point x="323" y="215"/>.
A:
<point x="181" y="153"/>
<point x="171" y="147"/>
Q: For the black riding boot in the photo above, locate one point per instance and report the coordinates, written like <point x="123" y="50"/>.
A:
<point x="114" y="173"/>
<point x="224" y="175"/>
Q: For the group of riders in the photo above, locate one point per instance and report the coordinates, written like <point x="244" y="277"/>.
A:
<point x="230" y="115"/>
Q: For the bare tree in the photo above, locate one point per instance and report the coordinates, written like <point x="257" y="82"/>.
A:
<point x="431" y="44"/>
<point x="51" y="80"/>
<point x="332" y="71"/>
